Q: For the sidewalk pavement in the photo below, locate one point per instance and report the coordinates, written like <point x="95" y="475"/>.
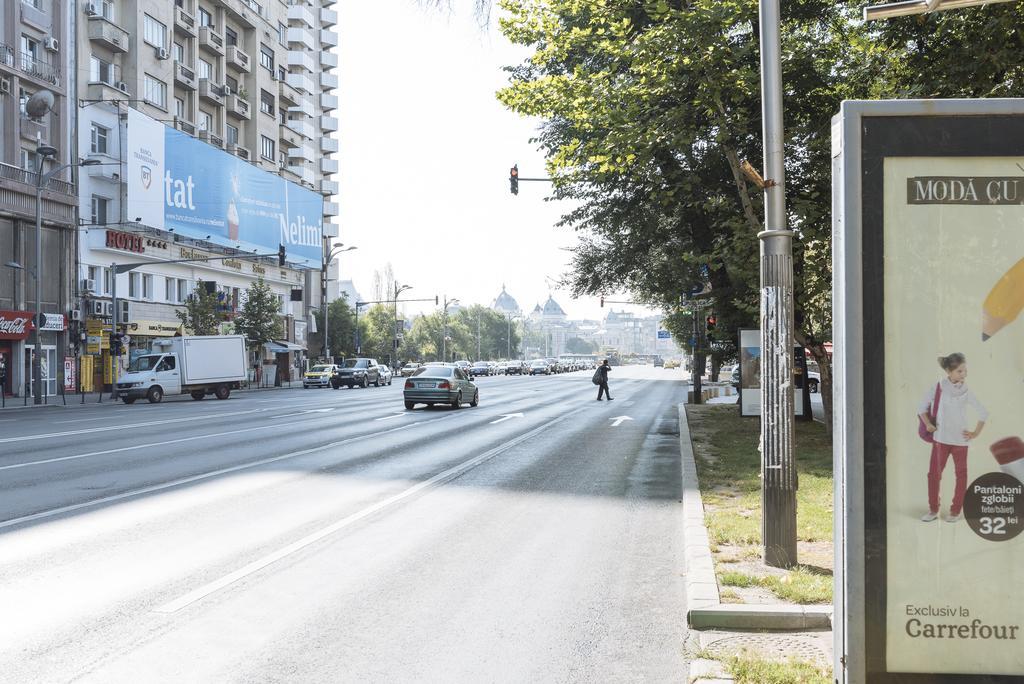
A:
<point x="71" y="400"/>
<point x="721" y="630"/>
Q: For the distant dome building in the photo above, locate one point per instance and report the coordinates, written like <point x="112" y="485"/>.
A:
<point x="505" y="304"/>
<point x="553" y="313"/>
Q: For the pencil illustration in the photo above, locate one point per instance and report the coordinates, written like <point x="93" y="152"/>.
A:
<point x="1004" y="302"/>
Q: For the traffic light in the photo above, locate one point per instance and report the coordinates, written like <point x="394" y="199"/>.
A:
<point x="115" y="343"/>
<point x="280" y="254"/>
<point x="602" y="302"/>
<point x="513" y="179"/>
<point x="709" y="322"/>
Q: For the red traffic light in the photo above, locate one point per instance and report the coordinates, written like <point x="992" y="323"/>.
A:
<point x="513" y="179"/>
<point x="710" y="322"/>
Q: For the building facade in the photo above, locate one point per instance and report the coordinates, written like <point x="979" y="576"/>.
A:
<point x="36" y="54"/>
<point x="250" y="78"/>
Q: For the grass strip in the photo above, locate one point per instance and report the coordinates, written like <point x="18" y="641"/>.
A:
<point x="749" y="669"/>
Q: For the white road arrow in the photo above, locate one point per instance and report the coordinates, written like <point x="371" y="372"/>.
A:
<point x="617" y="421"/>
<point x="394" y="415"/>
<point x="507" y="417"/>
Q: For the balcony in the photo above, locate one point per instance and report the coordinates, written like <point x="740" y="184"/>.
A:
<point x="238" y="59"/>
<point x="34" y="130"/>
<point x="331" y="230"/>
<point x="328" y="3"/>
<point x="212" y="138"/>
<point x="211" y="91"/>
<point x="287" y="93"/>
<point x="304" y="15"/>
<point x="328" y="165"/>
<point x="289" y="138"/>
<point x="328" y="102"/>
<point x="328" y="37"/>
<point x="328" y="123"/>
<point x="185" y="126"/>
<point x="301" y="82"/>
<point x="328" y="144"/>
<point x="111" y="174"/>
<point x="302" y="153"/>
<point x="328" y="60"/>
<point x="101" y="90"/>
<point x="303" y="128"/>
<point x="287" y="173"/>
<point x="239" y="151"/>
<point x="35" y="67"/>
<point x="184" y="23"/>
<point x="304" y="173"/>
<point x="328" y="187"/>
<point x="304" y="108"/>
<point x="108" y="34"/>
<point x="244" y="13"/>
<point x="211" y="41"/>
<point x="301" y="59"/>
<point x="184" y="76"/>
<point x="238" y="108"/>
<point x="328" y="17"/>
<point x="301" y="36"/>
<point x="331" y="209"/>
<point x="328" y="81"/>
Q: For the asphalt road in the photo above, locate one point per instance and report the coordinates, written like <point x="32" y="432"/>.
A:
<point x="320" y="535"/>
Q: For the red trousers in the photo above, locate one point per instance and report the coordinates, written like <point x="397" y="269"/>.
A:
<point x="940" y="455"/>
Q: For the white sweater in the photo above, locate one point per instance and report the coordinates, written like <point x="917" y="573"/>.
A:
<point x="952" y="419"/>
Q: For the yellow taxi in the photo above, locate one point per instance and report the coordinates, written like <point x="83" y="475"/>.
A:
<point x="319" y="376"/>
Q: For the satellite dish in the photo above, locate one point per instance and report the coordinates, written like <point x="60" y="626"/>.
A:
<point x="39" y="104"/>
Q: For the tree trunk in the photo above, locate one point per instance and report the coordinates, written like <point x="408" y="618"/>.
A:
<point x="820" y="355"/>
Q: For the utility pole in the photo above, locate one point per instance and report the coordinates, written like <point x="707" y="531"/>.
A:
<point x="778" y="470"/>
<point x="444" y="327"/>
<point x="394" y="346"/>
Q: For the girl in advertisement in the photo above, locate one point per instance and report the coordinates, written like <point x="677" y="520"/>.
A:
<point x="947" y="423"/>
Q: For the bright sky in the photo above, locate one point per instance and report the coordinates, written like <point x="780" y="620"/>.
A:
<point x="425" y="154"/>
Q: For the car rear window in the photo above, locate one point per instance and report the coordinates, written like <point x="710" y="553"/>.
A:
<point x="435" y="371"/>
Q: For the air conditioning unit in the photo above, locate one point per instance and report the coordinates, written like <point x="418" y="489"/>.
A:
<point x="88" y="285"/>
<point x="108" y="308"/>
<point x="97" y="307"/>
<point x="91" y="9"/>
<point x="162" y="53"/>
<point x="123" y="87"/>
<point x="5" y="86"/>
<point x="75" y="315"/>
<point x="51" y="44"/>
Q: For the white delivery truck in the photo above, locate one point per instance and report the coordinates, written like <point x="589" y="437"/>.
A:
<point x="186" y="365"/>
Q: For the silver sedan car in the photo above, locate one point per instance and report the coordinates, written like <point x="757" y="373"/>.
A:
<point x="440" y="385"/>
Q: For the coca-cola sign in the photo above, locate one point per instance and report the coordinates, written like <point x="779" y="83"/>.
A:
<point x="15" y="325"/>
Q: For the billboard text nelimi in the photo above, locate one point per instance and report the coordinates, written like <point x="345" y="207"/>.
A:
<point x="178" y="183"/>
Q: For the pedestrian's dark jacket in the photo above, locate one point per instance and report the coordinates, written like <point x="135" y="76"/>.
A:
<point x="603" y="370"/>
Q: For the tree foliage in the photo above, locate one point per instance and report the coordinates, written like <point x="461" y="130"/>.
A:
<point x="340" y="329"/>
<point x="259" y="318"/>
<point x="200" y="314"/>
<point x="493" y="331"/>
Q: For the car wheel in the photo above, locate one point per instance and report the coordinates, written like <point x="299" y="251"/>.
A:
<point x="476" y="399"/>
<point x="457" y="401"/>
<point x="129" y="400"/>
<point x="198" y="394"/>
<point x="155" y="395"/>
<point x="222" y="392"/>
<point x="409" y="405"/>
<point x="813" y="385"/>
<point x="365" y="383"/>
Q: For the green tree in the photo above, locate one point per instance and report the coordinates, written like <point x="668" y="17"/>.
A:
<point x="340" y="329"/>
<point x="200" y="315"/>
<point x="258" y="318"/>
<point x="577" y="345"/>
<point x="492" y="329"/>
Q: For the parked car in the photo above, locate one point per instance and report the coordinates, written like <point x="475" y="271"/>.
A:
<point x="479" y="368"/>
<point x="319" y="375"/>
<point x="540" y="367"/>
<point x="358" y="372"/>
<point x="385" y="374"/>
<point x="408" y="369"/>
<point x="440" y="385"/>
<point x="813" y="376"/>
<point x="195" y="365"/>
<point x="493" y="365"/>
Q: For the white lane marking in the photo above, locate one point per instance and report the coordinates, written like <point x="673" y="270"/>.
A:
<point x="26" y="438"/>
<point x="203" y="476"/>
<point x="321" y="410"/>
<point x="259" y="564"/>
<point x="617" y="421"/>
<point x="394" y="415"/>
<point x="505" y="417"/>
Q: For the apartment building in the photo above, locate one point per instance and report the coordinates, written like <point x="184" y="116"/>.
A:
<point x="36" y="55"/>
<point x="249" y="79"/>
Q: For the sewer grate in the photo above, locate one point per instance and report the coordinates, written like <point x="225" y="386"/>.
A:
<point x="772" y="646"/>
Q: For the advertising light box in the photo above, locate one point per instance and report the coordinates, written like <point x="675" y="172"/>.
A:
<point x="179" y="183"/>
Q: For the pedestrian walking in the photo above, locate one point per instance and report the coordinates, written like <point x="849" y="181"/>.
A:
<point x="601" y="376"/>
<point x="943" y="416"/>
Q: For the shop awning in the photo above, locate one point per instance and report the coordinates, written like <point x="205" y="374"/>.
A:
<point x="280" y="347"/>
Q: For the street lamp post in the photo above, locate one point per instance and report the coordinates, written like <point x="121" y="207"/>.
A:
<point x="328" y="258"/>
<point x="444" y="327"/>
<point x="42" y="153"/>
<point x="394" y="346"/>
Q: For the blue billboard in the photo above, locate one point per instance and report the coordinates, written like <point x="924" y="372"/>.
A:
<point x="182" y="184"/>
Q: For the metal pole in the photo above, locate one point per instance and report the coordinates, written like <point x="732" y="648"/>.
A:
<point x="113" y="331"/>
<point x="323" y="301"/>
<point x="444" y="332"/>
<point x="477" y="335"/>
<point x="508" y="340"/>
<point x="778" y="470"/>
<point x="37" y="381"/>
